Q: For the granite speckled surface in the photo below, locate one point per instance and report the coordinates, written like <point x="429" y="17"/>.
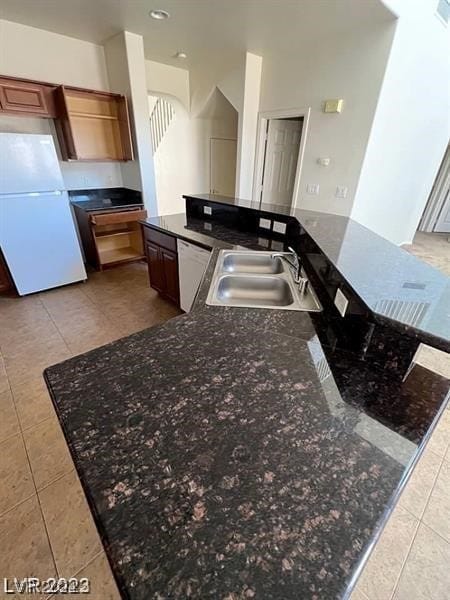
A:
<point x="398" y="288"/>
<point x="230" y="453"/>
<point x="209" y="234"/>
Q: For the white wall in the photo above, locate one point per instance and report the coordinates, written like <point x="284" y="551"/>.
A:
<point x="412" y="125"/>
<point x="178" y="168"/>
<point x="182" y="160"/>
<point x="37" y="54"/>
<point x="126" y="69"/>
<point x="349" y="67"/>
<point x="169" y="80"/>
<point x="247" y="127"/>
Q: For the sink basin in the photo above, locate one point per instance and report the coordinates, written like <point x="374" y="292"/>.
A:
<point x="253" y="279"/>
<point x="252" y="263"/>
<point x="254" y="291"/>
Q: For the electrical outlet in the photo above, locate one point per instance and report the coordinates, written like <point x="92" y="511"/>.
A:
<point x="207" y="210"/>
<point x="312" y="188"/>
<point x="279" y="227"/>
<point x="341" y="191"/>
<point x="265" y="223"/>
<point x="341" y="302"/>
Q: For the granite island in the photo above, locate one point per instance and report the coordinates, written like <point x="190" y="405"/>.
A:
<point x="250" y="453"/>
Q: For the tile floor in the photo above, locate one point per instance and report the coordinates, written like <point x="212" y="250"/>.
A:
<point x="46" y="528"/>
<point x="45" y="525"/>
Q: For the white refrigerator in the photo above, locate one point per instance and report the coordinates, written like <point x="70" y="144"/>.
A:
<point x="37" y="231"/>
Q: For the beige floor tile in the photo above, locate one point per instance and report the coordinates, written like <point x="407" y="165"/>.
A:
<point x="437" y="513"/>
<point x="9" y="424"/>
<point x="48" y="452"/>
<point x="16" y="482"/>
<point x="73" y="536"/>
<point x="440" y="439"/>
<point x="418" y="489"/>
<point x="102" y="585"/>
<point x="433" y="248"/>
<point x="426" y="574"/>
<point x="358" y="595"/>
<point x="33" y="403"/>
<point x="25" y="550"/>
<point x="381" y="572"/>
<point x="434" y="360"/>
<point x="4" y="382"/>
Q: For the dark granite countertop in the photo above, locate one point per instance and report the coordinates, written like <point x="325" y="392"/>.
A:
<point x="209" y="234"/>
<point x="94" y="200"/>
<point x="395" y="285"/>
<point x="231" y="453"/>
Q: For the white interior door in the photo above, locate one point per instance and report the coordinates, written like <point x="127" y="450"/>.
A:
<point x="280" y="163"/>
<point x="223" y="166"/>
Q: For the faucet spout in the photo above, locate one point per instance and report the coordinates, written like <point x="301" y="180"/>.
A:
<point x="293" y="260"/>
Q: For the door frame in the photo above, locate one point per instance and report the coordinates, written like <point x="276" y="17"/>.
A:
<point x="263" y="118"/>
<point x="436" y="200"/>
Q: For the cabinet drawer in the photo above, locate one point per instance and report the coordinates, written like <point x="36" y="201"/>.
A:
<point x="118" y="217"/>
<point x="160" y="239"/>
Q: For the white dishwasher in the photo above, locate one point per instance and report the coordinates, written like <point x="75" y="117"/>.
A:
<point x="192" y="261"/>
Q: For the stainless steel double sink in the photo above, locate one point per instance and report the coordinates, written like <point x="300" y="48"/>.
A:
<point x="243" y="278"/>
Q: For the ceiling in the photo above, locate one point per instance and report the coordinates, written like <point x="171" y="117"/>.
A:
<point x="211" y="32"/>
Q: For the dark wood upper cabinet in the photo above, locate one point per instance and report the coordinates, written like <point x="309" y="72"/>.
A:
<point x="63" y="126"/>
<point x="21" y="97"/>
<point x="91" y="126"/>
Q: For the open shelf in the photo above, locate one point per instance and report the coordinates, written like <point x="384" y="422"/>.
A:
<point x="120" y="254"/>
<point x="117" y="237"/>
<point x="86" y="115"/>
<point x="112" y="232"/>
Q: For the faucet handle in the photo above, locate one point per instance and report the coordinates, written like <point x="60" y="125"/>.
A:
<point x="292" y="250"/>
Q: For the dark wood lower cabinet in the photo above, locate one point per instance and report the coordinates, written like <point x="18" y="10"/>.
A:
<point x="170" y="270"/>
<point x="162" y="264"/>
<point x="155" y="267"/>
<point x="6" y="284"/>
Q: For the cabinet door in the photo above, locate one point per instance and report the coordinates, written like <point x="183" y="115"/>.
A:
<point x="64" y="126"/>
<point x="125" y="132"/>
<point x="170" y="267"/>
<point x="23" y="98"/>
<point x="155" y="267"/>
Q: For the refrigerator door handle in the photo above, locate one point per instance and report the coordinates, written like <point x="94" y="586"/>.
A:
<point x="28" y="194"/>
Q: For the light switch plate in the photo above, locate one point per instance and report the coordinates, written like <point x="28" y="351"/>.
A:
<point x="265" y="223"/>
<point x="207" y="210"/>
<point x="312" y="188"/>
<point x="341" y="302"/>
<point x="341" y="191"/>
<point x="279" y="227"/>
<point x="333" y="106"/>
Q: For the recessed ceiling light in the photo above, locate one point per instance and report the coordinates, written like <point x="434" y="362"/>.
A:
<point x="159" y="14"/>
<point x="181" y="55"/>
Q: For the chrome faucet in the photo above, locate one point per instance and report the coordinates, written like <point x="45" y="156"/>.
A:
<point x="293" y="261"/>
